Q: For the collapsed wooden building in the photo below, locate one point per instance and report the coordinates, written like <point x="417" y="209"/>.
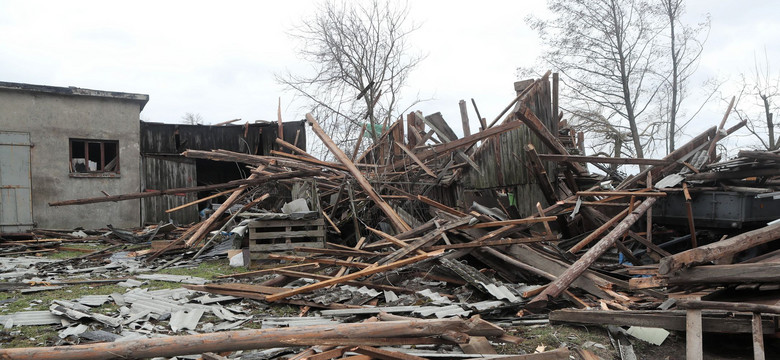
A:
<point x="505" y="222"/>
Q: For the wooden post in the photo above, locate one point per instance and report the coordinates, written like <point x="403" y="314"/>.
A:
<point x="718" y="135"/>
<point x="279" y="120"/>
<point x="689" y="212"/>
<point x="464" y="117"/>
<point x="693" y="341"/>
<point x="540" y="173"/>
<point x="555" y="96"/>
<point x="758" y="337"/>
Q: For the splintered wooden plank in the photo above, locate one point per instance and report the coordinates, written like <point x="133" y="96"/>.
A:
<point x="528" y="220"/>
<point x="392" y="239"/>
<point x="441" y="206"/>
<point x="395" y="220"/>
<point x="553" y="143"/>
<point x="562" y="282"/>
<point x="355" y="275"/>
<point x="416" y="159"/>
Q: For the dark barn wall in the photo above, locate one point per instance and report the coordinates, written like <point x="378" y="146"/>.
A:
<point x="503" y="159"/>
<point x="167" y="172"/>
<point x="165" y="168"/>
<point x="257" y="139"/>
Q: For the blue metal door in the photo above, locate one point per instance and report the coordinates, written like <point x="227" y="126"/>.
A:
<point x="15" y="199"/>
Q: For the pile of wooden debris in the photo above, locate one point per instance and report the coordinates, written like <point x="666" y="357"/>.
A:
<point x="506" y="223"/>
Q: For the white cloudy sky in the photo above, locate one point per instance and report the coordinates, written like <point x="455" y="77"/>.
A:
<point x="218" y="58"/>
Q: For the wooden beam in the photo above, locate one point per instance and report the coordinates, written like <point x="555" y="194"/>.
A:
<point x="728" y="306"/>
<point x="718" y="135"/>
<point x="197" y="201"/>
<point x="416" y="159"/>
<point x="528" y="220"/>
<point x="540" y="173"/>
<point x="573" y="272"/>
<point x="720" y="249"/>
<point x="621" y="193"/>
<point x="152" y="193"/>
<point x="693" y="335"/>
<point x="345" y="334"/>
<point x="464" y="117"/>
<point x="553" y="143"/>
<point x="392" y="216"/>
<point x="665" y="319"/>
<point x="355" y="275"/>
<point x="602" y="159"/>
<point x="758" y="338"/>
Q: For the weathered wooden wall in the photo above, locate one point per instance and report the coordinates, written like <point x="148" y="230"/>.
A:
<point x="258" y="138"/>
<point x="503" y="159"/>
<point x="167" y="172"/>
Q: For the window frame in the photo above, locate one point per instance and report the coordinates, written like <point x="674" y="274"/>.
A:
<point x="102" y="158"/>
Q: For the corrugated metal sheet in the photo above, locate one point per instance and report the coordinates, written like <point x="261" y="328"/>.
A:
<point x="15" y="195"/>
<point x="43" y="317"/>
<point x="167" y="172"/>
<point x="503" y="159"/>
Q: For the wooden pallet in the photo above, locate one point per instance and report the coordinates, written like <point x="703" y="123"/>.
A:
<point x="267" y="236"/>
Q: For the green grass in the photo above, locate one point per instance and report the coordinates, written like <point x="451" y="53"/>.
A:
<point x="29" y="336"/>
<point x="555" y="336"/>
<point x="207" y="269"/>
<point x="23" y="301"/>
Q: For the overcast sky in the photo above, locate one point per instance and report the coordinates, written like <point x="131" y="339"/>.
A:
<point x="218" y="59"/>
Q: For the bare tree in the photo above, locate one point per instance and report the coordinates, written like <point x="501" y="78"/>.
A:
<point x="685" y="45"/>
<point x="607" y="51"/>
<point x="360" y="59"/>
<point x="192" y="119"/>
<point x="759" y="90"/>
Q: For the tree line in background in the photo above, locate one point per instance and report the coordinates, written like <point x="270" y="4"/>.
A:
<point x="627" y="67"/>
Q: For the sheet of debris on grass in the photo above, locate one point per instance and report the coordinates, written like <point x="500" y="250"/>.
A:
<point x="497" y="244"/>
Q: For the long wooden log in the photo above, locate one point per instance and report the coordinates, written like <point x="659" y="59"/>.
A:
<point x="717" y="250"/>
<point x="725" y="274"/>
<point x="254" y="339"/>
<point x="602" y="159"/>
<point x="392" y="216"/>
<point x="576" y="269"/>
<point x="146" y="194"/>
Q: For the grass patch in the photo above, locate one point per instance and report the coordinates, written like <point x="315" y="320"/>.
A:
<point x="209" y="269"/>
<point x="28" y="336"/>
<point x="555" y="336"/>
<point x="42" y="300"/>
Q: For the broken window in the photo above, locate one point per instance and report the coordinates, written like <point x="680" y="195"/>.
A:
<point x="94" y="156"/>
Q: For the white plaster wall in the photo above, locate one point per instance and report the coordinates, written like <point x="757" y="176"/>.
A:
<point x="51" y="121"/>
